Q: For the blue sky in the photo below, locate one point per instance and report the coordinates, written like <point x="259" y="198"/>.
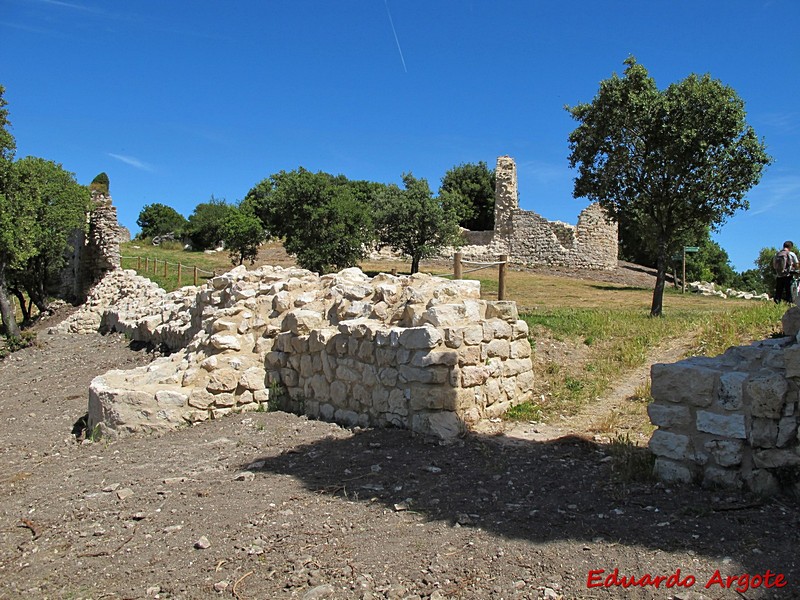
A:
<point x="180" y="100"/>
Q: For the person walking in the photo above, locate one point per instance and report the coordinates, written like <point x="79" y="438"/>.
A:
<point x="784" y="263"/>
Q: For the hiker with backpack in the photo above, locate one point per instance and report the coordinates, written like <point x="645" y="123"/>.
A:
<point x="784" y="263"/>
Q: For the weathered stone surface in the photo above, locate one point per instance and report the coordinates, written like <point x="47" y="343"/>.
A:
<point x="763" y="433"/>
<point x="684" y="382"/>
<point x="670" y="445"/>
<point x="668" y="415"/>
<point x="767" y="392"/>
<point x="724" y="478"/>
<point x="770" y="459"/>
<point x="671" y="471"/>
<point x="222" y="341"/>
<point x="727" y="425"/>
<point x="726" y="453"/>
<point x="731" y="386"/>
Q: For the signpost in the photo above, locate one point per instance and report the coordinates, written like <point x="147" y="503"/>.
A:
<point x="689" y="249"/>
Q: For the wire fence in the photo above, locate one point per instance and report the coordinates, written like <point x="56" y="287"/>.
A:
<point x="458" y="271"/>
<point x="151" y="265"/>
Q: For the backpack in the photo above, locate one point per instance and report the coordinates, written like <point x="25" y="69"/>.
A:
<point x="781" y="262"/>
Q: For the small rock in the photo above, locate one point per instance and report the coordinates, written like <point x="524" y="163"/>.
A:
<point x="153" y="590"/>
<point x="432" y="469"/>
<point x="202" y="543"/>
<point x="124" y="493"/>
<point x="221" y="586"/>
<point x="321" y="591"/>
<point x="111" y="488"/>
<point x="244" y="476"/>
<point x="172" y="528"/>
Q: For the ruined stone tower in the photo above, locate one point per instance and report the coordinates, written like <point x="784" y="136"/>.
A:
<point x="506" y="201"/>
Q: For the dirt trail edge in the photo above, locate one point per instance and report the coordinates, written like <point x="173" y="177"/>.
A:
<point x="272" y="505"/>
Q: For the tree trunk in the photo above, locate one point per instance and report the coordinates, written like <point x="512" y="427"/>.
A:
<point x="26" y="310"/>
<point x="414" y="264"/>
<point x="661" y="276"/>
<point x="6" y="309"/>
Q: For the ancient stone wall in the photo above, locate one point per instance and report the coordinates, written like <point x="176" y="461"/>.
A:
<point x="530" y="239"/>
<point x="95" y="251"/>
<point x="731" y="421"/>
<point x="418" y="352"/>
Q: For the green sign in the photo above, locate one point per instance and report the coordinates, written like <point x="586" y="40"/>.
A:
<point x="691" y="248"/>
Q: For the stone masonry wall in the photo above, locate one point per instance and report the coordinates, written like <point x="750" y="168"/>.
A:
<point x="530" y="239"/>
<point x="731" y="421"/>
<point x="418" y="352"/>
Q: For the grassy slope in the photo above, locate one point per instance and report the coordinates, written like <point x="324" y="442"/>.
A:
<point x="606" y="322"/>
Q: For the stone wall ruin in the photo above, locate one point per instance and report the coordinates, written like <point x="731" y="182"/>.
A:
<point x="529" y="239"/>
<point x="731" y="421"/>
<point x="418" y="352"/>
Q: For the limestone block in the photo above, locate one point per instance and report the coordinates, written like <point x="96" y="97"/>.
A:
<point x="442" y="425"/>
<point x="326" y="411"/>
<point x="498" y="348"/>
<point x="791" y="357"/>
<point x="445" y="315"/>
<point x="282" y="302"/>
<point x="520" y="349"/>
<point x="222" y="341"/>
<point x="496" y="329"/>
<point x="339" y="393"/>
<point x="516" y="366"/>
<point x="762" y="483"/>
<point x="684" y="383"/>
<point x="380" y="400"/>
<point x="223" y="325"/>
<point x="275" y="359"/>
<point x="473" y="334"/>
<point x="763" y="433"/>
<point x="474" y="375"/>
<point x="671" y="471"/>
<point x="668" y="415"/>
<point x="771" y="459"/>
<point x="731" y="426"/>
<point x="525" y="383"/>
<point x="222" y="380"/>
<point x="731" y="387"/>
<point x="430" y="397"/>
<point x="289" y="377"/>
<point x="348" y="418"/>
<point x="469" y="355"/>
<point x="453" y="337"/>
<point x="670" y="445"/>
<point x="224" y="400"/>
<point x="246" y="397"/>
<point x="767" y="392"/>
<point x="171" y="398"/>
<point x="415" y="338"/>
<point x="300" y="344"/>
<point x="791" y="321"/>
<point x="200" y="398"/>
<point x="253" y="379"/>
<point x="398" y="403"/>
<point x="194" y="377"/>
<point x="300" y="321"/>
<point x="787" y="429"/>
<point x="726" y="453"/>
<point x="502" y="309"/>
<point x="715" y="477"/>
<point x="435" y="374"/>
<point x="319" y="338"/>
<point x="519" y="330"/>
<point x="423" y="358"/>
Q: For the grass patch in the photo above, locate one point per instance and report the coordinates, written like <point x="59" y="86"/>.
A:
<point x="148" y="261"/>
<point x="630" y="463"/>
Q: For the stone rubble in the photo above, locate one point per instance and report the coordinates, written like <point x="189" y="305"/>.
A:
<point x="417" y="352"/>
<point x="731" y="421"/>
<point x="705" y="288"/>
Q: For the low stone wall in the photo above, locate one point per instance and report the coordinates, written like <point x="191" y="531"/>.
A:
<point x="419" y="352"/>
<point x="731" y="421"/>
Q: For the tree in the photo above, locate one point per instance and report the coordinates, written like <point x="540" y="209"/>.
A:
<point x="159" y="219"/>
<point x="415" y="223"/>
<point x="325" y="220"/>
<point x="100" y="184"/>
<point x="765" y="269"/>
<point x="475" y="185"/>
<point x="671" y="161"/>
<point x="242" y="233"/>
<point x="14" y="217"/>
<point x="710" y="263"/>
<point x="205" y="225"/>
<point x="59" y="206"/>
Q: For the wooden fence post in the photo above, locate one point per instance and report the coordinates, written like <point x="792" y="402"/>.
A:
<point x="165" y="267"/>
<point x="138" y="264"/>
<point x="179" y="274"/>
<point x="146" y="264"/>
<point x="457" y="265"/>
<point x="501" y="284"/>
<point x="195" y="275"/>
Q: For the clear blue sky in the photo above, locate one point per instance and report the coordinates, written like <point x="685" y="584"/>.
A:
<point x="180" y="100"/>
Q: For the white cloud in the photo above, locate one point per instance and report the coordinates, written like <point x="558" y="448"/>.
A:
<point x="775" y="193"/>
<point x="132" y="161"/>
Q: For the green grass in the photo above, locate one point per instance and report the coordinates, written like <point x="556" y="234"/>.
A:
<point x="140" y="254"/>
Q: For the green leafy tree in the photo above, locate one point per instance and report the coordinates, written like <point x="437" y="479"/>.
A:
<point x="415" y="223"/>
<point x="159" y="219"/>
<point x="242" y="233"/>
<point x="765" y="269"/>
<point x="324" y="220"/>
<point x="15" y="217"/>
<point x="100" y="184"/>
<point x="751" y="280"/>
<point x="206" y="223"/>
<point x="59" y="205"/>
<point x="475" y="185"/>
<point x="673" y="161"/>
<point x="710" y="263"/>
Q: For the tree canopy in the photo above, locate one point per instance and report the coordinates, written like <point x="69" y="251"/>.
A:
<point x="474" y="184"/>
<point x="206" y="223"/>
<point x="415" y="223"/>
<point x="671" y="161"/>
<point x="242" y="233"/>
<point x="100" y="183"/>
<point x="325" y="220"/>
<point x="159" y="219"/>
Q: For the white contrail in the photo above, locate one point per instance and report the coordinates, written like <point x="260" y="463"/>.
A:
<point x="397" y="41"/>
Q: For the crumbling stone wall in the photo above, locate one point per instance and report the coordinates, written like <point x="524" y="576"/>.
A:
<point x="529" y="239"/>
<point x="95" y="251"/>
<point x="731" y="421"/>
<point x="419" y="352"/>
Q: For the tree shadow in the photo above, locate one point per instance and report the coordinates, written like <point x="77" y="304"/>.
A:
<point x="564" y="489"/>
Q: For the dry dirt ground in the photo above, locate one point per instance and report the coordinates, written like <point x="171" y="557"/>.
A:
<point x="272" y="505"/>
